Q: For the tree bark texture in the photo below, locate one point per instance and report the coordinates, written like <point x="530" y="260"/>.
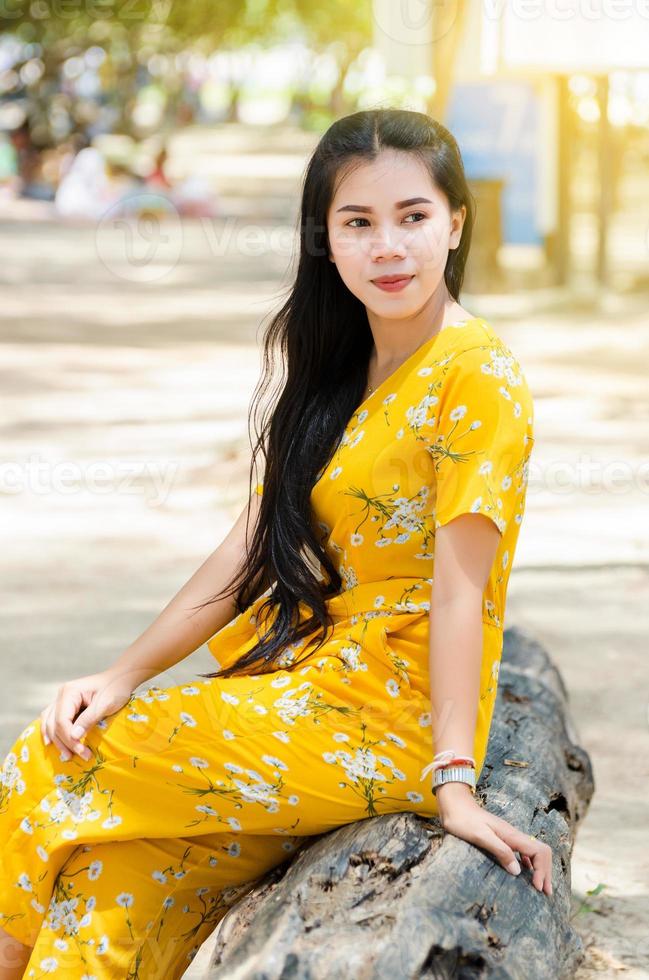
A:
<point x="395" y="897"/>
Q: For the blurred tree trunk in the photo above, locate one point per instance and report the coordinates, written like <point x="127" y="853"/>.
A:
<point x="446" y="42"/>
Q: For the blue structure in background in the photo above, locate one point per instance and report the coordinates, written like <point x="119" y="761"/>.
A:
<point x="497" y="125"/>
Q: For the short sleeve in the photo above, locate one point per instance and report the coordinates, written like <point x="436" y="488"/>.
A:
<point x="482" y="437"/>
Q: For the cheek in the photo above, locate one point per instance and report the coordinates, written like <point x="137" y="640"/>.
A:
<point x="431" y="242"/>
<point x="350" y="273"/>
<point x="349" y="253"/>
<point x="344" y="241"/>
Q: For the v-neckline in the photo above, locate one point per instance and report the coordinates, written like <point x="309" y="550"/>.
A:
<point x="404" y="364"/>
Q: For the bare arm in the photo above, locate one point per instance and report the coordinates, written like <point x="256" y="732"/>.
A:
<point x="465" y="549"/>
<point x="179" y="630"/>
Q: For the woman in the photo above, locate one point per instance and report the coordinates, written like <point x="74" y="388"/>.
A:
<point x="399" y="442"/>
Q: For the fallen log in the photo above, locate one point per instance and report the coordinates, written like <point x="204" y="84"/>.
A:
<point x="396" y="897"/>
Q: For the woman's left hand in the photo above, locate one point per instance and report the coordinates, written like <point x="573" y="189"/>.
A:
<point x="463" y="817"/>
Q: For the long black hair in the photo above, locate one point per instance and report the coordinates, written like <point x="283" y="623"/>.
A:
<point x="324" y="339"/>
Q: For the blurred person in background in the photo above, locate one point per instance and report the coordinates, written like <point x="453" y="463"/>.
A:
<point x="84" y="190"/>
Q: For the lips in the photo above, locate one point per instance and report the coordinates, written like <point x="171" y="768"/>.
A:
<point x="392" y="284"/>
<point x="400" y="278"/>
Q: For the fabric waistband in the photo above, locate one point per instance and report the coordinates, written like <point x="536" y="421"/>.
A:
<point x="395" y="595"/>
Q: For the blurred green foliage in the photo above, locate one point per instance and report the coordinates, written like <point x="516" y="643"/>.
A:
<point x="169" y="24"/>
<point x="127" y="34"/>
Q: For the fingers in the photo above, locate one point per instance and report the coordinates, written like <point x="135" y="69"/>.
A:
<point x="539" y="855"/>
<point x="44" y="734"/>
<point x="57" y="723"/>
<point x="51" y="733"/>
<point x="47" y="738"/>
<point x="84" y="722"/>
<point x="541" y="861"/>
<point x="69" y="700"/>
<point x="535" y="853"/>
<point x="501" y="851"/>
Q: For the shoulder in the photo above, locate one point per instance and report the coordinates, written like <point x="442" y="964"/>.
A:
<point x="477" y="356"/>
<point x="471" y="374"/>
<point x="468" y="340"/>
<point x="484" y="386"/>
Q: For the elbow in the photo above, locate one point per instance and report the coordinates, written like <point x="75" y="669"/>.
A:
<point x="467" y="599"/>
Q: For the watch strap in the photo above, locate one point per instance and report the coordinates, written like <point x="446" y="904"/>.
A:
<point x="455" y="774"/>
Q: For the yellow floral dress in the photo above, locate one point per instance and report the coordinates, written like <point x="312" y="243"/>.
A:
<point x="123" y="865"/>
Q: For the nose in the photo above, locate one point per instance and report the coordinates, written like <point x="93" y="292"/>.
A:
<point x="386" y="243"/>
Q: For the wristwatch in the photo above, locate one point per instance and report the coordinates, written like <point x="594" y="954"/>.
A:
<point x="454" y="774"/>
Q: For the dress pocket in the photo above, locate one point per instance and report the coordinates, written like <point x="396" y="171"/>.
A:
<point x="405" y="639"/>
<point x="396" y="654"/>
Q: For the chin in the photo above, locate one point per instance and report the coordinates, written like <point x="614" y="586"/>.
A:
<point x="391" y="311"/>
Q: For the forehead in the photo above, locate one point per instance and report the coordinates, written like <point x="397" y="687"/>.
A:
<point x="392" y="176"/>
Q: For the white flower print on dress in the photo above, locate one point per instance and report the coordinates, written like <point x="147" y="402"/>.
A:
<point x="351" y="716"/>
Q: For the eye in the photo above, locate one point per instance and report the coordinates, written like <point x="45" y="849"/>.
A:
<point x="413" y="214"/>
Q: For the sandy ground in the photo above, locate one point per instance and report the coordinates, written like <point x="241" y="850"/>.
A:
<point x="154" y="378"/>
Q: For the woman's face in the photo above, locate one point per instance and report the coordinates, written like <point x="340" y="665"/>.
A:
<point x="387" y="218"/>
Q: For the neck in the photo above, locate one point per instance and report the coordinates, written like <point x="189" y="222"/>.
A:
<point x="394" y="340"/>
<point x="380" y="365"/>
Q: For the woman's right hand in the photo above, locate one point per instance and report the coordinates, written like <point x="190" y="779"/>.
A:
<point x="79" y="704"/>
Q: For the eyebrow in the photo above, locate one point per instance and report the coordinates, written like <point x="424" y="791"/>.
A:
<point x="399" y="205"/>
